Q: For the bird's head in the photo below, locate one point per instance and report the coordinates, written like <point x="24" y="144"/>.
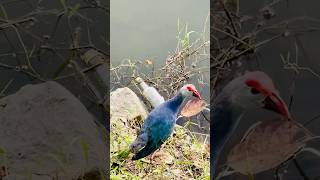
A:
<point x="256" y="89"/>
<point x="189" y="90"/>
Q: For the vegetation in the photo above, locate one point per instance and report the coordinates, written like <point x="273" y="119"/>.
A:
<point x="184" y="155"/>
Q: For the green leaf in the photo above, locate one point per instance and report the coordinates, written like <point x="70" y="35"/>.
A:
<point x="74" y="10"/>
<point x="3" y="12"/>
<point x="123" y="154"/>
<point x="64" y="5"/>
<point x="85" y="149"/>
<point x="2" y="151"/>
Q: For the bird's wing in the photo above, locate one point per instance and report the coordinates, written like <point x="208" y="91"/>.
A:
<point x="158" y="131"/>
<point x="139" y="143"/>
<point x="143" y="136"/>
<point x="150" y="147"/>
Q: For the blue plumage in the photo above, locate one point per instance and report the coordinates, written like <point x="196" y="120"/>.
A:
<point x="157" y="127"/>
<point x="225" y="120"/>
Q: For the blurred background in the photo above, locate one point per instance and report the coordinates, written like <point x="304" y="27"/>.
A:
<point x="284" y="36"/>
<point x="47" y="40"/>
<point x="46" y="48"/>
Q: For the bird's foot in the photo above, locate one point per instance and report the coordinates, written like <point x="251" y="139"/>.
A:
<point x="155" y="154"/>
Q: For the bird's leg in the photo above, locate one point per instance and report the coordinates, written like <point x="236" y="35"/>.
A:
<point x="157" y="151"/>
<point x="154" y="153"/>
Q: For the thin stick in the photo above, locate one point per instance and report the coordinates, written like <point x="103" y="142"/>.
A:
<point x="6" y="87"/>
<point x="311" y="120"/>
<point x="300" y="170"/>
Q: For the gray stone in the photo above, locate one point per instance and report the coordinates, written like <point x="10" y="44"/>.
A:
<point x="126" y="111"/>
<point x="126" y="105"/>
<point x="45" y="131"/>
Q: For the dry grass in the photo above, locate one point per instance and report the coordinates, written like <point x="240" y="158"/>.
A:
<point x="236" y="39"/>
<point x="183" y="156"/>
<point x="183" y="65"/>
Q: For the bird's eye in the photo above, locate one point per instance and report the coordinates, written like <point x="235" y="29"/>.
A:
<point x="255" y="91"/>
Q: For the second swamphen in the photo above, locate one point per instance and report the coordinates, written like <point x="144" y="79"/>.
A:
<point x="251" y="90"/>
<point x="159" y="124"/>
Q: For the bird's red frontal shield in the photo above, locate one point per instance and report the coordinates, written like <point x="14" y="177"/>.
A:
<point x="191" y="87"/>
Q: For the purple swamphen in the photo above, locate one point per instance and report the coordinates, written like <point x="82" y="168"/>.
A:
<point x="159" y="124"/>
<point x="251" y="90"/>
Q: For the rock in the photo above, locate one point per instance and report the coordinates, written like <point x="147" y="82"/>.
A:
<point x="126" y="112"/>
<point x="125" y="105"/>
<point x="47" y="132"/>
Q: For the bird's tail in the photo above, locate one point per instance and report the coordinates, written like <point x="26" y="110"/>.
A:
<point x="147" y="150"/>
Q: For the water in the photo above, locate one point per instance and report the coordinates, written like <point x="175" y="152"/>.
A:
<point x="145" y="29"/>
<point x="47" y="62"/>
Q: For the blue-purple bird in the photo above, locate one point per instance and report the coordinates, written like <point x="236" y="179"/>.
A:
<point x="251" y="90"/>
<point x="159" y="124"/>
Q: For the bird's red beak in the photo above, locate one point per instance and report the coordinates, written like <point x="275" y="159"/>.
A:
<point x="272" y="100"/>
<point x="275" y="103"/>
<point x="196" y="94"/>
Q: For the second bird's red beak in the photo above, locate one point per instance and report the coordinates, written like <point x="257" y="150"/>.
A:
<point x="275" y="103"/>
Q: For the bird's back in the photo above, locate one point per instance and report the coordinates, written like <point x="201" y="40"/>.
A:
<point x="156" y="129"/>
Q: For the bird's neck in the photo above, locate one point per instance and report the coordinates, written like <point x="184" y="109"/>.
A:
<point x="225" y="118"/>
<point x="175" y="103"/>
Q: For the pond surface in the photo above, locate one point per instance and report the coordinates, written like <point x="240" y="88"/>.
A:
<point x="145" y="29"/>
<point x="48" y="30"/>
